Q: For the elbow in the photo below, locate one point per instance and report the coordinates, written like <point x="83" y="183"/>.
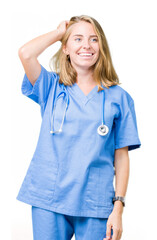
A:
<point x="23" y="53"/>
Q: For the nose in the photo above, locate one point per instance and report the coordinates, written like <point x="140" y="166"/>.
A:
<point x="86" y="44"/>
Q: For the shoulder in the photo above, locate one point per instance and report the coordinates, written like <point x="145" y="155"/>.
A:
<point x="119" y="94"/>
<point x="53" y="74"/>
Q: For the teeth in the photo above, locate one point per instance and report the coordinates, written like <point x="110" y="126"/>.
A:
<point x="85" y="54"/>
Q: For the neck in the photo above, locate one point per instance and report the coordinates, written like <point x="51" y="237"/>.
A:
<point x="85" y="77"/>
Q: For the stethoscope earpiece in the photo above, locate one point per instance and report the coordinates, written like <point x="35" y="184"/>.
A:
<point x="58" y="131"/>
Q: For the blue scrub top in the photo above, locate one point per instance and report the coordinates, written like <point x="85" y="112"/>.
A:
<point x="73" y="172"/>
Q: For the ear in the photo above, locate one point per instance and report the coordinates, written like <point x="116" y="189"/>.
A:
<point x="65" y="50"/>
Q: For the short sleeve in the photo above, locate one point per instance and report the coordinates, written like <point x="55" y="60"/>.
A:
<point x="126" y="132"/>
<point x="40" y="90"/>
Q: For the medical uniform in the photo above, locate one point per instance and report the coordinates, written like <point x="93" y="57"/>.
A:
<point x="49" y="225"/>
<point x="72" y="172"/>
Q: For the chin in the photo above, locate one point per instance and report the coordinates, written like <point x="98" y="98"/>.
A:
<point x="84" y="66"/>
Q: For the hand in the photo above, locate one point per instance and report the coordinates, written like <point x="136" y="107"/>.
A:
<point x="114" y="222"/>
<point x="62" y="28"/>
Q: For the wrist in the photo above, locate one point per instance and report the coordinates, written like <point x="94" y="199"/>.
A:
<point x="119" y="198"/>
<point x="59" y="34"/>
<point x="118" y="207"/>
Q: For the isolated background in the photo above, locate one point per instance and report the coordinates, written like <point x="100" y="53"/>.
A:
<point x="130" y="28"/>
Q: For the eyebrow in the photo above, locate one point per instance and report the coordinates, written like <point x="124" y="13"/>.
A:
<point x="79" y="35"/>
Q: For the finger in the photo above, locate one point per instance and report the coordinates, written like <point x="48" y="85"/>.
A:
<point x="119" y="234"/>
<point x="66" y="23"/>
<point x="115" y="234"/>
<point x="108" y="231"/>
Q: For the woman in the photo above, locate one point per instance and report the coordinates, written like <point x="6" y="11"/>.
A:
<point x="88" y="127"/>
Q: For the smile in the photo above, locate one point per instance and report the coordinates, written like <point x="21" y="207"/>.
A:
<point x="85" y="54"/>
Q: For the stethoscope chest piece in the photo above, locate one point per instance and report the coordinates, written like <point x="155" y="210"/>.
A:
<point x="102" y="130"/>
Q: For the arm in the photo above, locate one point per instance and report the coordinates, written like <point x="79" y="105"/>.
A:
<point x="122" y="176"/>
<point x="29" y="52"/>
<point x="121" y="182"/>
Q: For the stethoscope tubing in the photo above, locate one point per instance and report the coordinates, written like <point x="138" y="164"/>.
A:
<point x="53" y="111"/>
<point x="102" y="129"/>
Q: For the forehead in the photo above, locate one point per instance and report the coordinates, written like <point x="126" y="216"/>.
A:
<point x="83" y="28"/>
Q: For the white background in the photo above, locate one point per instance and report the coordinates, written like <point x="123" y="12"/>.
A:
<point x="130" y="28"/>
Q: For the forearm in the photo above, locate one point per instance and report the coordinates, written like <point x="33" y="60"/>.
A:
<point x="36" y="46"/>
<point x="122" y="176"/>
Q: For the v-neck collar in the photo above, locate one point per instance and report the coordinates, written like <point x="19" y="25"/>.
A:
<point x="79" y="93"/>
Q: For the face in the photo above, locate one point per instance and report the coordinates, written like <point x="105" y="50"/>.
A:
<point x="82" y="46"/>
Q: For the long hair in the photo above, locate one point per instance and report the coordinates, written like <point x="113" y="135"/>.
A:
<point x="103" y="70"/>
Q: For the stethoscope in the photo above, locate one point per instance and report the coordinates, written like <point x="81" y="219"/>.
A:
<point x="101" y="130"/>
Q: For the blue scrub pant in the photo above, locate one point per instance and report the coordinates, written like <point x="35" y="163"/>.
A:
<point x="49" y="225"/>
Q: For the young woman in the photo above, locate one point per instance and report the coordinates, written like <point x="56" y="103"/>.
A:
<point x="88" y="127"/>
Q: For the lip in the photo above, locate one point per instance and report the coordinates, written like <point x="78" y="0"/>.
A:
<point x="85" y="53"/>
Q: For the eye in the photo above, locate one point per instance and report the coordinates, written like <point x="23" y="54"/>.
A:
<point x="78" y="39"/>
<point x="94" y="39"/>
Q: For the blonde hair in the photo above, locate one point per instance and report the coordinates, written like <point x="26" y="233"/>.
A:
<point x="103" y="70"/>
